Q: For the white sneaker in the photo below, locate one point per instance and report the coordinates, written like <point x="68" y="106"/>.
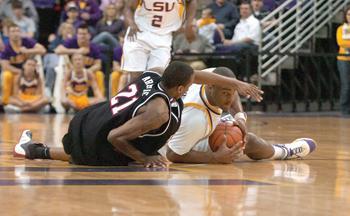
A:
<point x="21" y="148"/>
<point x="299" y="148"/>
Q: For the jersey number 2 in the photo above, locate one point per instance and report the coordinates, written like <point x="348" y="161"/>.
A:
<point x="156" y="21"/>
<point x="116" y="106"/>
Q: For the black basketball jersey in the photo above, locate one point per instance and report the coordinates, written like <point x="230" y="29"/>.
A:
<point x="97" y="121"/>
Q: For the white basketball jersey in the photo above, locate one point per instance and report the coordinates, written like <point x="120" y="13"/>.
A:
<point x="160" y="16"/>
<point x="197" y="100"/>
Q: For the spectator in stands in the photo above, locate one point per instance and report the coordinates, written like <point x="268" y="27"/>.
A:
<point x="65" y="31"/>
<point x="118" y="3"/>
<point x="226" y="15"/>
<point x="72" y="12"/>
<point x="258" y="9"/>
<point x="26" y="24"/>
<point x="247" y="33"/>
<point x="28" y="7"/>
<point x="182" y="45"/>
<point x="108" y="28"/>
<point x="28" y="88"/>
<point x="343" y="40"/>
<point x="117" y="71"/>
<point x="5" y="32"/>
<point x="207" y="27"/>
<point x="12" y="58"/>
<point x="76" y="84"/>
<point x="89" y="11"/>
<point x="81" y="44"/>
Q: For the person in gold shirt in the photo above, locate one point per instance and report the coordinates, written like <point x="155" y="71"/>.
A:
<point x="76" y="84"/>
<point x="28" y="90"/>
<point x="343" y="40"/>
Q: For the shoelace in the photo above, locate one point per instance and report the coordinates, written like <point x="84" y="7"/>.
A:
<point x="296" y="151"/>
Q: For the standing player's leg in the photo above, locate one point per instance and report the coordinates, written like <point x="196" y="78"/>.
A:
<point x="134" y="60"/>
<point x="257" y="148"/>
<point x="159" y="57"/>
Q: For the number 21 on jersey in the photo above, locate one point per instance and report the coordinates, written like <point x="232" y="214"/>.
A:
<point x="129" y="96"/>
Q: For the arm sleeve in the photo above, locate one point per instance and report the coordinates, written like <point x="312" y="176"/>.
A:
<point x="254" y="31"/>
<point x="192" y="129"/>
<point x="341" y="42"/>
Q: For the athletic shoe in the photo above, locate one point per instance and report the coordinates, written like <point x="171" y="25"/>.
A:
<point x="299" y="148"/>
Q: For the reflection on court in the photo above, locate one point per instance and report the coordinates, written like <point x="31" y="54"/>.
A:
<point x="318" y="185"/>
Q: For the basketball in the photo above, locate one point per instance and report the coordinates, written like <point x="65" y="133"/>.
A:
<point x="232" y="132"/>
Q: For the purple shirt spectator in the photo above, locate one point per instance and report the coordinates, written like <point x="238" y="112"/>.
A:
<point x="88" y="6"/>
<point x="94" y="53"/>
<point x="17" y="59"/>
<point x="117" y="54"/>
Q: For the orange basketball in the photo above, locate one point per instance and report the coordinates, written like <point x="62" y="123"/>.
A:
<point x="232" y="132"/>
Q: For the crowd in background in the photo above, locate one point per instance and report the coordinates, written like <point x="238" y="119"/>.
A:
<point x="87" y="46"/>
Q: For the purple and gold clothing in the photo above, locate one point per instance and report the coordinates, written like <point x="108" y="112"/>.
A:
<point x="78" y="90"/>
<point x="79" y="85"/>
<point x="94" y="53"/>
<point x="117" y="54"/>
<point x="14" y="57"/>
<point x="28" y="89"/>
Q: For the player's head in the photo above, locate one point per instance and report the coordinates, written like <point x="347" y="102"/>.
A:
<point x="29" y="68"/>
<point x="177" y="78"/>
<point x="218" y="95"/>
<point x="77" y="60"/>
<point x="83" y="34"/>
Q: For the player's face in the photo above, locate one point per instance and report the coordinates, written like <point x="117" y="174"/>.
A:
<point x="223" y="97"/>
<point x="181" y="90"/>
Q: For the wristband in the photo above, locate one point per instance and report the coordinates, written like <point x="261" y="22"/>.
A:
<point x="241" y="115"/>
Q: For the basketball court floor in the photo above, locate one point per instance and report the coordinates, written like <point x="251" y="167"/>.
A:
<point x="317" y="185"/>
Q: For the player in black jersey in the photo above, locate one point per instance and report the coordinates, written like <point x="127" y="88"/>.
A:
<point x="134" y="124"/>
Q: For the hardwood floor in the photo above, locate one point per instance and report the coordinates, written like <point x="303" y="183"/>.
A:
<point x="317" y="185"/>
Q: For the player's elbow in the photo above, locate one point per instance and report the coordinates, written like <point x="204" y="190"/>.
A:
<point x="173" y="157"/>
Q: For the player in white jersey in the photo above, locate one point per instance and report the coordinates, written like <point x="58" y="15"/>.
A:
<point x="204" y="105"/>
<point x="148" y="39"/>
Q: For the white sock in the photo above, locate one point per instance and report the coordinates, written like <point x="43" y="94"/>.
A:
<point x="279" y="154"/>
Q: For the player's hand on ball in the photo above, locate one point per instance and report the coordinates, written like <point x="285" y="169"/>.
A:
<point x="224" y="154"/>
<point x="238" y="150"/>
<point x="242" y="125"/>
<point x="250" y="91"/>
<point x="156" y="161"/>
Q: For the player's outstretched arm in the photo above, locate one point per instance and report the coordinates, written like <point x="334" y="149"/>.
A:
<point x="151" y="116"/>
<point x="243" y="88"/>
